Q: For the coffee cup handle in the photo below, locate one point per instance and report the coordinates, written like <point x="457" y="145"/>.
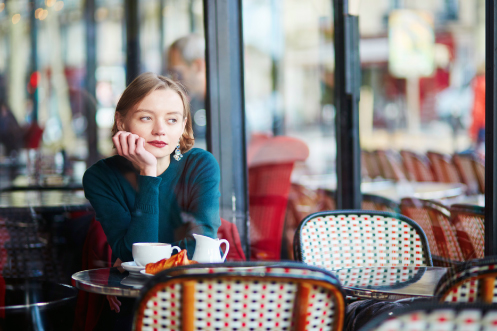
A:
<point x="175" y="247"/>
<point x="227" y="248"/>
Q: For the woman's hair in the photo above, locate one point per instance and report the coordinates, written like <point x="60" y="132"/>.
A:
<point x="146" y="83"/>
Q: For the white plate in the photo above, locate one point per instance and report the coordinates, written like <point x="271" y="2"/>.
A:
<point x="134" y="280"/>
<point x="144" y="273"/>
<point x="132" y="267"/>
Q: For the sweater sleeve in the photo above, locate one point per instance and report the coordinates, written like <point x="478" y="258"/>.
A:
<point x="202" y="211"/>
<point x="122" y="226"/>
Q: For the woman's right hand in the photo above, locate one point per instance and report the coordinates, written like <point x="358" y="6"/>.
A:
<point x="114" y="304"/>
<point x="132" y="147"/>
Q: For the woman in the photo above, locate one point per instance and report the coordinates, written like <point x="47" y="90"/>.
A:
<point x="158" y="188"/>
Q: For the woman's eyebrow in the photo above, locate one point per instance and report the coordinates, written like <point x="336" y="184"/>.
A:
<point x="152" y="112"/>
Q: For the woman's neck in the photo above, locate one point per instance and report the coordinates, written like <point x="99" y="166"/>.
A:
<point x="163" y="164"/>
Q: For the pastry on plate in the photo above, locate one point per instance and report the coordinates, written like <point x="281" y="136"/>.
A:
<point x="177" y="260"/>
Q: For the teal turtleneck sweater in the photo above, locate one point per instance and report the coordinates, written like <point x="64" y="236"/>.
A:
<point x="167" y="208"/>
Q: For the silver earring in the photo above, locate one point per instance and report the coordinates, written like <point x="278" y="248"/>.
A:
<point x="177" y="153"/>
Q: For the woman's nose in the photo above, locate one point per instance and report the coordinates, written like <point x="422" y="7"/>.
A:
<point x="159" y="129"/>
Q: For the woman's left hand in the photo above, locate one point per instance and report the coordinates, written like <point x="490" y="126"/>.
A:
<point x="132" y="147"/>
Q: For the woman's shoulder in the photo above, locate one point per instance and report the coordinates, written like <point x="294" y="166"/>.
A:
<point x="198" y="159"/>
<point x="199" y="155"/>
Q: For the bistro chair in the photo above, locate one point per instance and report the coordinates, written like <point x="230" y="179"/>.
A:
<point x="434" y="219"/>
<point x="270" y="165"/>
<point x="390" y="165"/>
<point x="371" y="163"/>
<point x="469" y="222"/>
<point x="360" y="238"/>
<point x="243" y="296"/>
<point x="473" y="281"/>
<point x="26" y="249"/>
<point x="303" y="201"/>
<point x="443" y="168"/>
<point x="436" y="317"/>
<point x="418" y="165"/>
<point x="467" y="173"/>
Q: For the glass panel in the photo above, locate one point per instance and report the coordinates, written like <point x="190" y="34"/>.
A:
<point x="422" y="115"/>
<point x="182" y="54"/>
<point x="290" y="113"/>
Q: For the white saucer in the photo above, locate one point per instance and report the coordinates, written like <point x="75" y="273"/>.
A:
<point x="132" y="267"/>
<point x="133" y="280"/>
<point x="144" y="273"/>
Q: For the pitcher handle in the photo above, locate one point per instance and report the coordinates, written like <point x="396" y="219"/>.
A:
<point x="175" y="247"/>
<point x="227" y="248"/>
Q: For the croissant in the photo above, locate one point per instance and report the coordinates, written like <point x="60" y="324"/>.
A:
<point x="179" y="259"/>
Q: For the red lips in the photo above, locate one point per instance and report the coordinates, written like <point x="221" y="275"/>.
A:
<point x="157" y="143"/>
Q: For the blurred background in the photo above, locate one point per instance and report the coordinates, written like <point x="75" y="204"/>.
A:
<point x="63" y="68"/>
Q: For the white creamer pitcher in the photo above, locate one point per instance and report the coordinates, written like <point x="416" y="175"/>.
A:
<point x="207" y="249"/>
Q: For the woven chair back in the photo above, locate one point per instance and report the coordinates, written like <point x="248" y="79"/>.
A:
<point x="473" y="281"/>
<point x="434" y="218"/>
<point x="436" y="317"/>
<point x="469" y="223"/>
<point x="244" y="298"/>
<point x="417" y="164"/>
<point x="464" y="166"/>
<point x="359" y="238"/>
<point x="443" y="168"/>
<point x="390" y="165"/>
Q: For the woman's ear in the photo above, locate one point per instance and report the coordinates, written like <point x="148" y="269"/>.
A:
<point x="119" y="122"/>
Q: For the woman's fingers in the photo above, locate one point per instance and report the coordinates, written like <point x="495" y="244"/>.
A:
<point x="124" y="143"/>
<point x="140" y="146"/>
<point x="132" y="144"/>
<point x="114" y="303"/>
<point x="117" y="143"/>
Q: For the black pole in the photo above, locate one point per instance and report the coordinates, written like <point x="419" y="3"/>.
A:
<point x="347" y="86"/>
<point x="34" y="59"/>
<point x="491" y="126"/>
<point x="132" y="40"/>
<point x="226" y="109"/>
<point x="90" y="105"/>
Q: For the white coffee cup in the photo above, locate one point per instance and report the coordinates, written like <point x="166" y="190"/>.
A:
<point x="144" y="253"/>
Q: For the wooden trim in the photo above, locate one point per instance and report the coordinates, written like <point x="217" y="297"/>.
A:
<point x="301" y="305"/>
<point x="188" y="306"/>
<point x="487" y="289"/>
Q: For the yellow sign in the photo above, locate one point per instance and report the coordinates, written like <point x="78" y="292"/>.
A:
<point x="411" y="43"/>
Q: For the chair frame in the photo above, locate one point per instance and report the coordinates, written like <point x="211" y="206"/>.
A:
<point x="425" y="307"/>
<point x="178" y="275"/>
<point x="298" y="244"/>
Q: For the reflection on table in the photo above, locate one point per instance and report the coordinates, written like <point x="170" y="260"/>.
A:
<point x="109" y="281"/>
<point x="50" y="200"/>
<point x="29" y="304"/>
<point x="390" y="283"/>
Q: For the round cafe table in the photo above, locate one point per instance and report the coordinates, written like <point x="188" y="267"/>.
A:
<point x="381" y="283"/>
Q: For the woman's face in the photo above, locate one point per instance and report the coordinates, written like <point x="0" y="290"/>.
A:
<point x="159" y="119"/>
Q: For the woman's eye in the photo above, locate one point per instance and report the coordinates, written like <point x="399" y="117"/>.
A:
<point x="172" y="120"/>
<point x="145" y="118"/>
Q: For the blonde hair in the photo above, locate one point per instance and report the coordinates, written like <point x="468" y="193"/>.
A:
<point x="143" y="85"/>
